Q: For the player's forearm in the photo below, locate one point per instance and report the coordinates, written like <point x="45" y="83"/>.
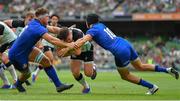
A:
<point x="80" y="42"/>
<point x="67" y="52"/>
<point x="55" y="41"/>
<point x="59" y="43"/>
<point x="76" y="51"/>
<point x="83" y="40"/>
<point x="53" y="29"/>
<point x="8" y="22"/>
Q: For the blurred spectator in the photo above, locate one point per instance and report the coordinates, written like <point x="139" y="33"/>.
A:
<point x="79" y="8"/>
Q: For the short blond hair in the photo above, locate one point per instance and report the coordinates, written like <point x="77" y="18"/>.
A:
<point x="30" y="13"/>
<point x="41" y="11"/>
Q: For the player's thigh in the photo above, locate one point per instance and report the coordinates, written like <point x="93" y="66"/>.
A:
<point x="5" y="58"/>
<point x="136" y="63"/>
<point x="21" y="64"/>
<point x="38" y="56"/>
<point x="75" y="66"/>
<point x="49" y="54"/>
<point x="122" y="57"/>
<point x="123" y="71"/>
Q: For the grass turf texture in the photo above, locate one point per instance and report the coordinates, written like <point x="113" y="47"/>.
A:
<point x="107" y="86"/>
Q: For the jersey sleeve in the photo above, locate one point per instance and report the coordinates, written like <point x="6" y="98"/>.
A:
<point x="92" y="32"/>
<point x="18" y="23"/>
<point x="42" y="31"/>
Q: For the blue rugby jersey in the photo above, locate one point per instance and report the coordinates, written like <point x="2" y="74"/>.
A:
<point x="30" y="35"/>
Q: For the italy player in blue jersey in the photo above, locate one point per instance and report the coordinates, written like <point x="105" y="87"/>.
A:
<point x="23" y="50"/>
<point x="123" y="52"/>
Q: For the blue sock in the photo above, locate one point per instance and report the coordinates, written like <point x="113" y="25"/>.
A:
<point x="145" y="84"/>
<point x="160" y="69"/>
<point x="50" y="71"/>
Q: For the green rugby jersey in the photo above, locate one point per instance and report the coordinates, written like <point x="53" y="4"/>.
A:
<point x="8" y="35"/>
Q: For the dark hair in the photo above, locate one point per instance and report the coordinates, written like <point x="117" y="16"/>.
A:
<point x="55" y="16"/>
<point x="1" y="29"/>
<point x="41" y="11"/>
<point x="63" y="34"/>
<point x="77" y="34"/>
<point x="92" y="19"/>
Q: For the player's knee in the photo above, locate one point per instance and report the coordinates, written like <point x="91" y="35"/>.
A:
<point x="5" y="59"/>
<point x="88" y="74"/>
<point x="46" y="62"/>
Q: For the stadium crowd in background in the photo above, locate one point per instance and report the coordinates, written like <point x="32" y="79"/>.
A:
<point x="80" y="8"/>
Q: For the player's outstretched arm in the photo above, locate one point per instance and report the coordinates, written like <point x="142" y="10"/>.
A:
<point x="67" y="52"/>
<point x="53" y="29"/>
<point x="55" y="41"/>
<point x="8" y="22"/>
<point x="82" y="41"/>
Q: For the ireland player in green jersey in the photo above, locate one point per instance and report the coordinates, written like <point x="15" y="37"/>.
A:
<point x="83" y="56"/>
<point x="7" y="37"/>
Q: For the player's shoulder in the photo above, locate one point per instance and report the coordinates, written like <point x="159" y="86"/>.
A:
<point x="98" y="25"/>
<point x="40" y="29"/>
<point x="3" y="24"/>
<point x="93" y="29"/>
<point x="38" y="26"/>
<point x="18" y="23"/>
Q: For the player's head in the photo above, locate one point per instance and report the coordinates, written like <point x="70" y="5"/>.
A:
<point x="91" y="19"/>
<point x="77" y="34"/>
<point x="65" y="34"/>
<point x="42" y="14"/>
<point x="54" y="19"/>
<point x="28" y="17"/>
<point x="1" y="29"/>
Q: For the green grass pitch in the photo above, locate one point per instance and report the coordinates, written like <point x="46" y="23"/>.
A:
<point x="107" y="86"/>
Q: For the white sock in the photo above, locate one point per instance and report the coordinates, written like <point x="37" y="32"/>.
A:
<point x="94" y="66"/>
<point x="12" y="72"/>
<point x="37" y="71"/>
<point x="4" y="77"/>
<point x="83" y="82"/>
